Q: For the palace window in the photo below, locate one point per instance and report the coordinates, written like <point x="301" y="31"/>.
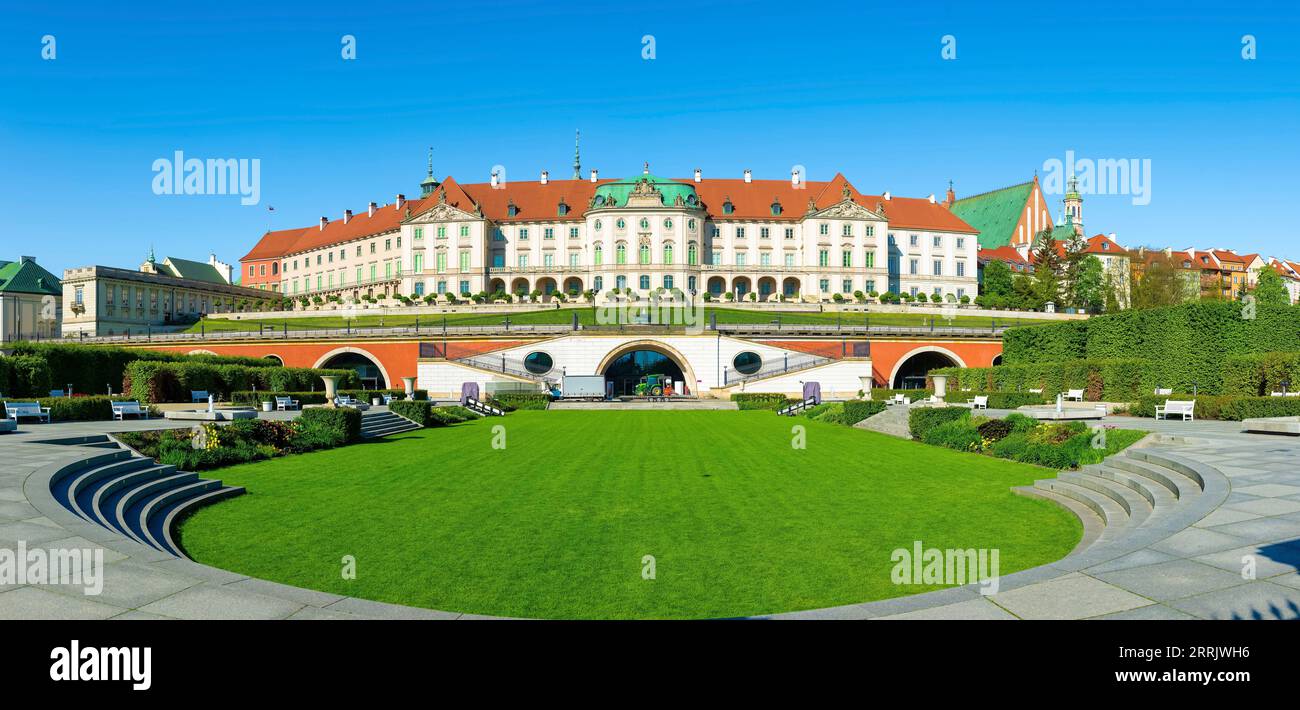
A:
<point x="847" y="286"/>
<point x="717" y="257"/>
<point x="388" y="245"/>
<point x="740" y="232"/>
<point x="789" y="259"/>
<point x="668" y="253"/>
<point x="690" y="224"/>
<point x="620" y="254"/>
<point x="914" y="266"/>
<point x="871" y="231"/>
<point x="620" y="223"/>
<point x="523" y="233"/>
<point x="597" y="225"/>
<point x="442" y="232"/>
<point x="961" y="242"/>
<point x="295" y="283"/>
<point x="870" y="286"/>
<point x="765" y="259"/>
<point x="913" y="240"/>
<point x="548" y="233"/>
<point x="599" y="283"/>
<point x="789" y="232"/>
<point x="464" y="261"/>
<point x="440" y="262"/>
<point x="464" y="288"/>
<point x="846" y="258"/>
<point x="961" y="268"/>
<point x="668" y="224"/>
<point x="823" y="257"/>
<point x="764" y="233"/>
<point x="418" y="261"/>
<point x="645" y="223"/>
<point x="823" y="229"/>
<point x="740" y="258"/>
<point x="498" y="260"/>
<point x="644" y="254"/>
<point x="938" y="267"/>
<point x="573" y="232"/>
<point x="715" y="232"/>
<point x="573" y="259"/>
<point x="825" y="285"/>
<point x="597" y="255"/>
<point x="938" y="242"/>
<point x="548" y="260"/>
<point x="692" y="255"/>
<point x="871" y="260"/>
<point x="644" y="282"/>
<point x="523" y="261"/>
<point x="668" y="282"/>
<point x="419" y="232"/>
<point x="847" y="231"/>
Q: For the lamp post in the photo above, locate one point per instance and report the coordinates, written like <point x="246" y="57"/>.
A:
<point x="1285" y="384"/>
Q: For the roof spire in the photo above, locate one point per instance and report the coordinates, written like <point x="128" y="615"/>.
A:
<point x="645" y="170"/>
<point x="151" y="259"/>
<point x="577" y="164"/>
<point x="428" y="185"/>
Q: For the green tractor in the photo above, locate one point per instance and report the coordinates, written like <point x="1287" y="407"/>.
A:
<point x="654" y="386"/>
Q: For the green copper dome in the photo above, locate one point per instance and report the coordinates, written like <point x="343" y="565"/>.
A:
<point x="615" y="194"/>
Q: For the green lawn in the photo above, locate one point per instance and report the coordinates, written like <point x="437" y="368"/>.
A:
<point x="587" y="316"/>
<point x="556" y="524"/>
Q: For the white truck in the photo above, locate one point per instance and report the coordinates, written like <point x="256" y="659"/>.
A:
<point x="582" y="387"/>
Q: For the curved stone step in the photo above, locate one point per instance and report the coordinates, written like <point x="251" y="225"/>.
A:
<point x="128" y="506"/>
<point x="82" y="489"/>
<point x="169" y="519"/>
<point x="1093" y="524"/>
<point x="1173" y="463"/>
<point x="162" y="500"/>
<point x="1178" y="485"/>
<point x="1155" y="494"/>
<point x="104" y="503"/>
<point x="61" y="481"/>
<point x="1137" y="507"/>
<point x="1115" y="517"/>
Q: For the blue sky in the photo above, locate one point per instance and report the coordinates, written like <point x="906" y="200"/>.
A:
<point x="858" y="88"/>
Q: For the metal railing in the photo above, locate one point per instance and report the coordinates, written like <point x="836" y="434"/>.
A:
<point x="500" y="363"/>
<point x="788" y="363"/>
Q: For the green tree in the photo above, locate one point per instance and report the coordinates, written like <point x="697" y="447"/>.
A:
<point x="1047" y="269"/>
<point x="1088" y="288"/>
<point x="1075" y="255"/>
<point x="997" y="279"/>
<point x="1269" y="289"/>
<point x="1158" y="285"/>
<point x="1024" y="293"/>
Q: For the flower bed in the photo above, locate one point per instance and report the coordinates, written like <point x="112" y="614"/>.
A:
<point x="246" y="440"/>
<point x="1058" y="445"/>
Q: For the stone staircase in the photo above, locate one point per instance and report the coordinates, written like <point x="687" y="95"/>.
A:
<point x="376" y="422"/>
<point x="892" y="421"/>
<point x="1133" y="498"/>
<point x="131" y="495"/>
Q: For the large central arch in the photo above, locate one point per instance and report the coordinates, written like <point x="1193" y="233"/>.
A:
<point x="910" y="370"/>
<point x="356" y="358"/>
<point x="654" y="346"/>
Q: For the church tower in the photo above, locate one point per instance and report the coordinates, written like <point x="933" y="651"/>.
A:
<point x="1073" y="204"/>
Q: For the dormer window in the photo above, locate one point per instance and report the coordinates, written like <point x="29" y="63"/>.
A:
<point x="562" y="209"/>
<point x="1105" y="246"/>
<point x="511" y="209"/>
<point x="776" y="207"/>
<point x="727" y="207"/>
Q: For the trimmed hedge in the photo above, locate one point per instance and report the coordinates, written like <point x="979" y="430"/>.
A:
<point x="27" y="376"/>
<point x="761" y="400"/>
<point x="157" y="381"/>
<point x="1116" y="380"/>
<point x="342" y="425"/>
<point x="523" y="400"/>
<point x="252" y="398"/>
<point x="1186" y="343"/>
<point x="426" y="415"/>
<point x="1259" y="374"/>
<point x="880" y="394"/>
<point x="855" y="410"/>
<point x="77" y="409"/>
<point x="959" y="434"/>
<point x="1226" y="408"/>
<point x="921" y="421"/>
<point x="998" y="400"/>
<point x="91" y="368"/>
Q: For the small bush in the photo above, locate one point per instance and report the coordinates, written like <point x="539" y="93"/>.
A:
<point x="921" y="421"/>
<point x="855" y="410"/>
<point x="341" y="426"/>
<point x="995" y="430"/>
<point x="1020" y="423"/>
<point x="957" y="434"/>
<point x="761" y="400"/>
<point x="30" y="376"/>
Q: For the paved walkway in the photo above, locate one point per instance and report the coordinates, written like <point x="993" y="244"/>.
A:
<point x="1193" y="572"/>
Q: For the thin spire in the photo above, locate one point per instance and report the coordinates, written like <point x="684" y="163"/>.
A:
<point x="430" y="161"/>
<point x="577" y="163"/>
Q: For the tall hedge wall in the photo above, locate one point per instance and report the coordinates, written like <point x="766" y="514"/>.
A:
<point x="157" y="381"/>
<point x="90" y="368"/>
<point x="1117" y="380"/>
<point x="1185" y="343"/>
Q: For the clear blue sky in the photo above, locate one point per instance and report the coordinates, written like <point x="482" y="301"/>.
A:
<point x="858" y="88"/>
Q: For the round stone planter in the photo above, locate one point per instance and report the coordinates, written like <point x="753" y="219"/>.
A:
<point x="268" y="406"/>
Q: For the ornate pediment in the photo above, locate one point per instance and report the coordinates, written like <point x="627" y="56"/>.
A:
<point x="847" y="209"/>
<point x="441" y="212"/>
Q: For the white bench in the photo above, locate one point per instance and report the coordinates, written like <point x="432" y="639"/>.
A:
<point x="1075" y="395"/>
<point x="1185" y="409"/>
<point x="1037" y="391"/>
<point x="27" y="409"/>
<point x="122" y="409"/>
<point x="979" y="402"/>
<point x="285" y="403"/>
<point x="1284" y="394"/>
<point x="1161" y="391"/>
<point x="198" y="396"/>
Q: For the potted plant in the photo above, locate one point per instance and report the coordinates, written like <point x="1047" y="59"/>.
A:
<point x="268" y="405"/>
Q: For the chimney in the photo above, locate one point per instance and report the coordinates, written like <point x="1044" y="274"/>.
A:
<point x="887" y="196"/>
<point x="1113" y="239"/>
<point x="324" y="221"/>
<point x="697" y="175"/>
<point x="593" y="175"/>
<point x="495" y="179"/>
<point x="372" y="209"/>
<point x="347" y="216"/>
<point x="749" y="176"/>
<point x="401" y="200"/>
<point x="794" y="178"/>
<point x="545" y="176"/>
<point x="931" y="198"/>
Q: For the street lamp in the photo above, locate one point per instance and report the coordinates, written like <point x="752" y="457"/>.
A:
<point x="1285" y="384"/>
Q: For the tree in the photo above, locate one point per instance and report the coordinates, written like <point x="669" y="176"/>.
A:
<point x="997" y="279"/>
<point x="1087" y="288"/>
<point x="1075" y="256"/>
<point x="1047" y="269"/>
<point x="1160" y="284"/>
<point x="1269" y="289"/>
<point x="1024" y="293"/>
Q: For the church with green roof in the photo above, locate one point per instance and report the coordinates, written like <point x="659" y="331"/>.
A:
<point x="30" y="306"/>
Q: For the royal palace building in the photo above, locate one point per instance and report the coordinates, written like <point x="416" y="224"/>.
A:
<point x="753" y="239"/>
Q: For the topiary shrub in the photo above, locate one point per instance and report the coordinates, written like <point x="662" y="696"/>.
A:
<point x="30" y="376"/>
<point x="921" y="421"/>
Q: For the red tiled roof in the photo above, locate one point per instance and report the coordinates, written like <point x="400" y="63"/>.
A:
<point x="1006" y="253"/>
<point x="535" y="201"/>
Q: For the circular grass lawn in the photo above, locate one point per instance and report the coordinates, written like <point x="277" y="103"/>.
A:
<point x="557" y="524"/>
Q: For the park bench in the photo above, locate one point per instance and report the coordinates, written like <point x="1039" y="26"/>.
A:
<point x="979" y="402"/>
<point x="27" y="409"/>
<point x="1075" y="395"/>
<point x="198" y="396"/>
<point x="1161" y="391"/>
<point x="1185" y="409"/>
<point x="896" y="399"/>
<point x="123" y="409"/>
<point x="285" y="403"/>
<point x="1284" y="394"/>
